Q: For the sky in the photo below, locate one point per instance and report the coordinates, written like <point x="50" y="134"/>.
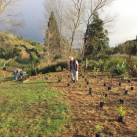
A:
<point x="124" y="28"/>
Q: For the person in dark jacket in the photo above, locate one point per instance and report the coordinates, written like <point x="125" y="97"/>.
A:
<point x="73" y="68"/>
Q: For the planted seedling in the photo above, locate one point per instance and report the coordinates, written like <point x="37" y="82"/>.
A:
<point x="90" y="91"/>
<point x="87" y="80"/>
<point x="80" y="85"/>
<point x="119" y="81"/>
<point x="129" y="80"/>
<point x="105" y="96"/>
<point x="68" y="82"/>
<point x="125" y="78"/>
<point x="126" y="91"/>
<point x="58" y="69"/>
<point x="96" y="72"/>
<point x="50" y="73"/>
<point x="132" y="87"/>
<point x="101" y="101"/>
<point x="97" y="130"/>
<point x="105" y="78"/>
<point x="60" y="78"/>
<point x="122" y="111"/>
<point x="46" y="76"/>
<point x="121" y="99"/>
<point x="82" y="73"/>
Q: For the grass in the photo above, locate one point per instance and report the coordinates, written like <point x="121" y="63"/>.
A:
<point x="7" y="78"/>
<point x="31" y="109"/>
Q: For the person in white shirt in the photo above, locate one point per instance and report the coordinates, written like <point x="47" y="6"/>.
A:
<point x="73" y="68"/>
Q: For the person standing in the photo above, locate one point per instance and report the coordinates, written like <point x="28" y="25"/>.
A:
<point x="16" y="73"/>
<point x="73" y="69"/>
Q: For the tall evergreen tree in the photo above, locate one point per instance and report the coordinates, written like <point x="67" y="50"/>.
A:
<point x="52" y="38"/>
<point x="56" y="45"/>
<point x="96" y="37"/>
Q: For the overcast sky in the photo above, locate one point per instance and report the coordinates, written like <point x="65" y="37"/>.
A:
<point x="125" y="27"/>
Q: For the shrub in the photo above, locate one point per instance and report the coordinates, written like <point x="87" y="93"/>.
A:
<point x="134" y="60"/>
<point x="16" y="51"/>
<point x="30" y="41"/>
<point x="132" y="69"/>
<point x="19" y="37"/>
<point x="16" y="45"/>
<point x="115" y="61"/>
<point x="57" y="57"/>
<point x="119" y="69"/>
<point x="38" y="49"/>
<point x="58" y="68"/>
<point x="92" y="64"/>
<point x="103" y="63"/>
<point x="52" y="67"/>
<point x="34" y="50"/>
<point x="24" y="40"/>
<point x="8" y="64"/>
<point x="1" y="62"/>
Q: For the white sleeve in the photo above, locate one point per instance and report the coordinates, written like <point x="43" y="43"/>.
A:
<point x="76" y="62"/>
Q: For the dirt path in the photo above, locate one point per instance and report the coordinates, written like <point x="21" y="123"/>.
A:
<point x="87" y="112"/>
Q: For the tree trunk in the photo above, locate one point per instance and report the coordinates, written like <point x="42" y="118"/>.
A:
<point x="7" y="62"/>
<point x="72" y="42"/>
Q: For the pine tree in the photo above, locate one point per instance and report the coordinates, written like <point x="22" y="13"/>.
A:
<point x="96" y="37"/>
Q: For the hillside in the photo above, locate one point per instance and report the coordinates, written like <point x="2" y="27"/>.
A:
<point x="16" y="46"/>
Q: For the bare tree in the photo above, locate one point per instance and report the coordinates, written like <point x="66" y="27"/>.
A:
<point x="81" y="12"/>
<point x="72" y="14"/>
<point x="73" y="17"/>
<point x="9" y="22"/>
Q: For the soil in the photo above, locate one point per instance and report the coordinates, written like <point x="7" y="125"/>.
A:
<point x="87" y="111"/>
<point x="86" y="108"/>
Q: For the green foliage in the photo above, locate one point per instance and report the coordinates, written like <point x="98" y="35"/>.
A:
<point x="2" y="62"/>
<point x="33" y="57"/>
<point x="132" y="69"/>
<point x="115" y="61"/>
<point x="60" y="77"/>
<point x="30" y="41"/>
<point x="24" y="40"/>
<point x="106" y="77"/>
<point x="85" y="75"/>
<point x="58" y="68"/>
<point x="92" y="64"/>
<point x="134" y="60"/>
<point x="98" y="37"/>
<point x="97" y="128"/>
<point x="16" y="52"/>
<point x="129" y="47"/>
<point x="96" y="71"/>
<point x="56" y="57"/>
<point x="16" y="45"/>
<point x="40" y="73"/>
<point x="119" y="69"/>
<point x="19" y="37"/>
<point x="121" y="110"/>
<point x="103" y="64"/>
<point x="8" y="64"/>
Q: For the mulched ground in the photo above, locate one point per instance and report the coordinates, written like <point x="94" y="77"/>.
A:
<point x="87" y="111"/>
<point x="86" y="108"/>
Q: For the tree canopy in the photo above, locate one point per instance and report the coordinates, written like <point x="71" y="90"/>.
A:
<point x="96" y="39"/>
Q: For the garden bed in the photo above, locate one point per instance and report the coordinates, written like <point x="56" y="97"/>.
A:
<point x="87" y="110"/>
